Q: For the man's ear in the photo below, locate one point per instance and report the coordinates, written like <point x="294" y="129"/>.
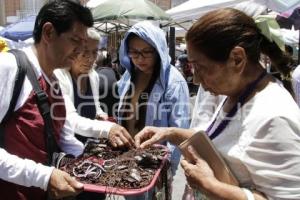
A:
<point x="48" y="32"/>
<point x="238" y="59"/>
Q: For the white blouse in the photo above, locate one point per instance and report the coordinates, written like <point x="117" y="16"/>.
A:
<point x="82" y="125"/>
<point x="261" y="144"/>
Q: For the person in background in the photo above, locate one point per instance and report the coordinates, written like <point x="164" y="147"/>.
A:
<point x="186" y="70"/>
<point x="152" y="91"/>
<point x="257" y="134"/>
<point x="59" y="33"/>
<point x="80" y="88"/>
<point x="181" y="62"/>
<point x="101" y="58"/>
<point x="108" y="89"/>
<point x="117" y="66"/>
<point x="188" y="73"/>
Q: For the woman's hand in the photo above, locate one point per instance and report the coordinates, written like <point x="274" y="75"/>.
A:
<point x="119" y="137"/>
<point x="201" y="177"/>
<point x="198" y="173"/>
<point x="150" y="135"/>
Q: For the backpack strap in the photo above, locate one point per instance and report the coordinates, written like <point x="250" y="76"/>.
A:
<point x="42" y="101"/>
<point x="21" y="72"/>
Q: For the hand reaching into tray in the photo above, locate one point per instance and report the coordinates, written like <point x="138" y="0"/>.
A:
<point x="119" y="137"/>
<point x="150" y="135"/>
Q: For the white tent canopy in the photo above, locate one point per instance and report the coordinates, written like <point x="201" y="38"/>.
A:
<point x="94" y="3"/>
<point x="193" y="9"/>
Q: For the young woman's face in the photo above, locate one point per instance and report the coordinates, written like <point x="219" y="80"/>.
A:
<point x="142" y="54"/>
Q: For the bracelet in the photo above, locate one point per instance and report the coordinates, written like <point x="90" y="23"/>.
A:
<point x="248" y="194"/>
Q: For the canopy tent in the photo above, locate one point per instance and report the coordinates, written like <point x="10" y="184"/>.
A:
<point x="193" y="9"/>
<point x="128" y="9"/>
<point x="20" y="30"/>
<point x="94" y="3"/>
<point x="119" y="15"/>
<point x="110" y="27"/>
<point x="106" y="27"/>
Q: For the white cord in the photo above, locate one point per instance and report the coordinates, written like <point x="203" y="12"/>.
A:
<point x="248" y="194"/>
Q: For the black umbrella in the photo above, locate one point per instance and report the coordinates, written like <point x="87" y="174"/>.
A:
<point x="289" y="19"/>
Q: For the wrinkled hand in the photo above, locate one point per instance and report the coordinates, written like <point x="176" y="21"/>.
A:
<point x="61" y="185"/>
<point x="197" y="171"/>
<point x="119" y="137"/>
<point x="149" y="136"/>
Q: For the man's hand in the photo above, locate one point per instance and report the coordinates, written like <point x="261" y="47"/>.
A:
<point x="101" y="117"/>
<point x="106" y="118"/>
<point x="61" y="185"/>
<point x="119" y="137"/>
<point x="149" y="136"/>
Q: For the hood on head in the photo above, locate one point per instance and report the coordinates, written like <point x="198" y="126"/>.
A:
<point x="152" y="35"/>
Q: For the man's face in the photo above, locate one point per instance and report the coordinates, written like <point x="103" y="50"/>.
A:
<point x="67" y="46"/>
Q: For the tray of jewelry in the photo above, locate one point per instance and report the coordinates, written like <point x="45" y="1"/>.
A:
<point x="104" y="169"/>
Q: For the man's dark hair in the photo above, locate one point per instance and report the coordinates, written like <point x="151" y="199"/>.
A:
<point x="62" y="14"/>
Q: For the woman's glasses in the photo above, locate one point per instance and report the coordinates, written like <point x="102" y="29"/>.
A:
<point x="144" y="53"/>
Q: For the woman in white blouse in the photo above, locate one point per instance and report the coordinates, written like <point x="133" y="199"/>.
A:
<point x="256" y="129"/>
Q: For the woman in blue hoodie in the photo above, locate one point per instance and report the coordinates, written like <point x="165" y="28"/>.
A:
<point x="152" y="91"/>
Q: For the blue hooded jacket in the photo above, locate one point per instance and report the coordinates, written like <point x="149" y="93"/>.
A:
<point x="170" y="93"/>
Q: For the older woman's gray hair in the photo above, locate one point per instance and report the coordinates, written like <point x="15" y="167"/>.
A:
<point x="93" y="34"/>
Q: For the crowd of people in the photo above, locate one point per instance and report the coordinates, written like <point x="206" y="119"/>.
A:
<point x="251" y="117"/>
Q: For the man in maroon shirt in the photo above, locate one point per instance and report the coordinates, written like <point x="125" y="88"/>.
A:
<point x="59" y="33"/>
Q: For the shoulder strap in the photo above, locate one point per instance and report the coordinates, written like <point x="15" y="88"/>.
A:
<point x="42" y="101"/>
<point x="21" y="71"/>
